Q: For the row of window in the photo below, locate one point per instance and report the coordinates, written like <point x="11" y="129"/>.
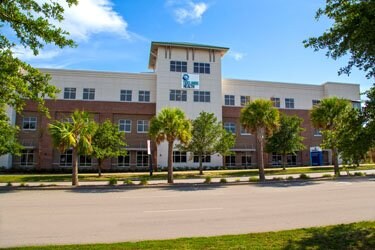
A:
<point x="126" y="126"/>
<point x="89" y="94"/>
<point x="229" y="100"/>
<point x="181" y="157"/>
<point x="181" y="66"/>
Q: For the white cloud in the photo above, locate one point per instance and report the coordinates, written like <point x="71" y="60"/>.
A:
<point x="238" y="56"/>
<point x="27" y="54"/>
<point x="187" y="11"/>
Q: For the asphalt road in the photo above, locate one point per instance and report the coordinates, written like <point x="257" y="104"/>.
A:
<point x="103" y="215"/>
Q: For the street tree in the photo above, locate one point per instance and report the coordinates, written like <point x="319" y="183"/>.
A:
<point x="8" y="137"/>
<point x="328" y="116"/>
<point x="77" y="135"/>
<point x="107" y="142"/>
<point x="287" y="138"/>
<point x="352" y="32"/>
<point x="261" y="119"/>
<point x="170" y="125"/>
<point x="208" y="137"/>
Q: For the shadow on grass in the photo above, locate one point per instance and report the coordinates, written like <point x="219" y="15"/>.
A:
<point x="335" y="237"/>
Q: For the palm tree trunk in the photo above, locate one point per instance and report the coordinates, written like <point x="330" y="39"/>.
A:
<point x="100" y="161"/>
<point x="170" y="162"/>
<point x="335" y="161"/>
<point x="259" y="136"/>
<point x="200" y="165"/>
<point x="75" y="168"/>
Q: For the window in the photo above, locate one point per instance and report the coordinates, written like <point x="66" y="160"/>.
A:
<point x="244" y="100"/>
<point x="125" y="126"/>
<point x="315" y="102"/>
<point x="88" y="94"/>
<point x="178" y="66"/>
<point x="177" y="95"/>
<point x="289" y="103"/>
<point x="202" y="68"/>
<point x="276" y="159"/>
<point x="246" y="160"/>
<point x="84" y="161"/>
<point x="66" y="158"/>
<point x="230" y="160"/>
<point x="202" y="96"/>
<point x="142" y="126"/>
<point x="356" y="105"/>
<point x="276" y="102"/>
<point x="244" y="131"/>
<point x="69" y="93"/>
<point x="205" y="158"/>
<point x="144" y="96"/>
<point x="291" y="159"/>
<point x="229" y="100"/>
<point x="142" y="158"/>
<point x="123" y="161"/>
<point x="230" y="127"/>
<point x="27" y="157"/>
<point x="317" y="132"/>
<point x="29" y="123"/>
<point x="179" y="157"/>
<point x="126" y="95"/>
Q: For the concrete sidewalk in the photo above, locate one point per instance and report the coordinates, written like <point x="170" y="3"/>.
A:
<point x="184" y="181"/>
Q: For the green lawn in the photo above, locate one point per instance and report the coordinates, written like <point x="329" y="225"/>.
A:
<point x="4" y="178"/>
<point x="359" y="235"/>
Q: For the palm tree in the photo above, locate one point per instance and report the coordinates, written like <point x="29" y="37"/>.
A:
<point x="327" y="115"/>
<point x="76" y="135"/>
<point x="170" y="125"/>
<point x="260" y="118"/>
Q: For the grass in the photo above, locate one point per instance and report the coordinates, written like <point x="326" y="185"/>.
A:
<point x="359" y="235"/>
<point x="5" y="178"/>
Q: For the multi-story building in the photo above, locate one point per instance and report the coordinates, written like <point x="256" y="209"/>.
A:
<point x="183" y="75"/>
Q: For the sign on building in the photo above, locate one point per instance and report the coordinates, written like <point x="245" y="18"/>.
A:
<point x="190" y="81"/>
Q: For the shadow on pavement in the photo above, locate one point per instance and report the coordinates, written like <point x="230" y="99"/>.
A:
<point x="193" y="187"/>
<point x="286" y="184"/>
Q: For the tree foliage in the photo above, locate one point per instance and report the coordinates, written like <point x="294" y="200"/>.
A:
<point x="261" y="119"/>
<point x="287" y="138"/>
<point x="8" y="137"/>
<point x="351" y="33"/>
<point x="108" y="142"/>
<point x="76" y="135"/>
<point x="170" y="125"/>
<point x="208" y="137"/>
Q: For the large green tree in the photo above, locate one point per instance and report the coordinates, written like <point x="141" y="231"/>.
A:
<point x="8" y="137"/>
<point x="107" y="142"/>
<point x="328" y="116"/>
<point x="287" y="138"/>
<point x="77" y="135"/>
<point x="261" y="119"/>
<point x="208" y="137"/>
<point x="352" y="33"/>
<point x="369" y="114"/>
<point x="170" y="125"/>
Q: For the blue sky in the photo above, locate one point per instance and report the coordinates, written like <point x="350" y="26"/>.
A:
<point x="264" y="36"/>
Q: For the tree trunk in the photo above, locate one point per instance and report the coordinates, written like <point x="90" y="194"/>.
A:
<point x="75" y="168"/>
<point x="284" y="161"/>
<point x="100" y="162"/>
<point x="259" y="136"/>
<point x="200" y="165"/>
<point x="335" y="161"/>
<point x="170" y="162"/>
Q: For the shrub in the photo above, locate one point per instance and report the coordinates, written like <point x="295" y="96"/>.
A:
<point x="326" y="175"/>
<point x="253" y="179"/>
<point x="304" y="176"/>
<point x="143" y="182"/>
<point x="237" y="180"/>
<point x="207" y="180"/>
<point x="41" y="185"/>
<point x="359" y="174"/>
<point x="277" y="178"/>
<point x="290" y="178"/>
<point x="112" y="181"/>
<point x="23" y="184"/>
<point x="9" y="184"/>
<point x="128" y="182"/>
<point x="223" y="180"/>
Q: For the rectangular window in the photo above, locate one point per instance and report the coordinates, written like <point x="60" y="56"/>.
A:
<point x="291" y="160"/>
<point x="69" y="93"/>
<point x="179" y="157"/>
<point x="230" y="160"/>
<point x="178" y="66"/>
<point x="229" y="100"/>
<point x="202" y="68"/>
<point x="245" y="131"/>
<point x="29" y="123"/>
<point x="142" y="126"/>
<point x="276" y="102"/>
<point x="84" y="161"/>
<point x="230" y="127"/>
<point x="276" y="159"/>
<point x="144" y="96"/>
<point x="317" y="132"/>
<point x="125" y="126"/>
<point x="27" y="157"/>
<point x="202" y="96"/>
<point x="356" y="105"/>
<point x="315" y="102"/>
<point x="88" y="94"/>
<point x="289" y="103"/>
<point x="123" y="161"/>
<point x="66" y="158"/>
<point x="142" y="158"/>
<point x="245" y="100"/>
<point x="126" y="95"/>
<point x="205" y="158"/>
<point x="178" y="95"/>
<point x="246" y="160"/>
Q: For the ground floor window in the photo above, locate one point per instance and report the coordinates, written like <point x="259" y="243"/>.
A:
<point x="230" y="160"/>
<point x="142" y="158"/>
<point x="66" y="158"/>
<point x="123" y="161"/>
<point x="246" y="160"/>
<point x="27" y="157"/>
<point x="276" y="159"/>
<point x="179" y="157"/>
<point x="84" y="161"/>
<point x="291" y="160"/>
<point x="205" y="158"/>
